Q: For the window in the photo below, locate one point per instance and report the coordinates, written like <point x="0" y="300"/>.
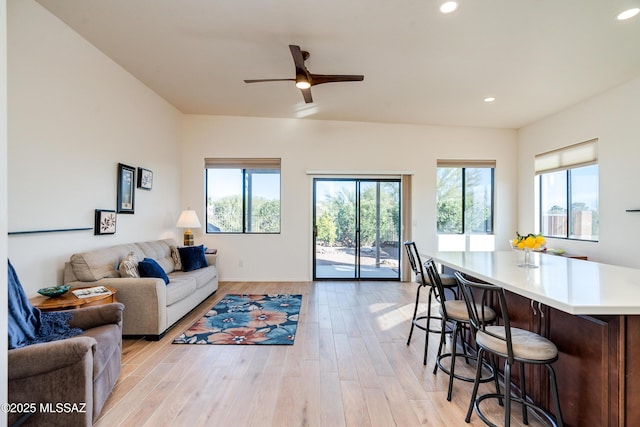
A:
<point x="465" y="197"/>
<point x="243" y="195"/>
<point x="568" y="182"/>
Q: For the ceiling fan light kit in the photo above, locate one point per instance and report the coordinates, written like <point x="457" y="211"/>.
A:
<point x="304" y="79"/>
<point x="627" y="14"/>
<point x="448" y="6"/>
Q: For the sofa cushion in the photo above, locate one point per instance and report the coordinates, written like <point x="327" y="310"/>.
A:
<point x="180" y="288"/>
<point x="100" y="263"/>
<point x="192" y="257"/>
<point x="129" y="266"/>
<point x="150" y="268"/>
<point x="202" y="276"/>
<point x="159" y="250"/>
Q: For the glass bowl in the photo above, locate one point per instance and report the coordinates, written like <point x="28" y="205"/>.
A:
<point x="54" y="291"/>
<point x="515" y="248"/>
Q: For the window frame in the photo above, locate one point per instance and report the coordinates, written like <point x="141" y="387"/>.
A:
<point x="464" y="165"/>
<point x="248" y="168"/>
<point x="568" y="200"/>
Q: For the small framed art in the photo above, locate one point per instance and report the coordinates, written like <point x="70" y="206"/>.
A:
<point x="105" y="222"/>
<point x="145" y="179"/>
<point x="126" y="188"/>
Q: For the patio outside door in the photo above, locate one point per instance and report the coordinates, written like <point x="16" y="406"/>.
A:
<point x="356" y="233"/>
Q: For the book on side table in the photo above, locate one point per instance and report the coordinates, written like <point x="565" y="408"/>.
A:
<point x="96" y="291"/>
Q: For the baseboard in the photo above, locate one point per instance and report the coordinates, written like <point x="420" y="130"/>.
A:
<point x="147" y="337"/>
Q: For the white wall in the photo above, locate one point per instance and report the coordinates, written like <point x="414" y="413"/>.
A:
<point x="612" y="117"/>
<point x="73" y="116"/>
<point x="307" y="145"/>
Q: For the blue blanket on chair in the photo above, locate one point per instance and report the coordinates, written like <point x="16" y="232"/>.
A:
<point x="28" y="325"/>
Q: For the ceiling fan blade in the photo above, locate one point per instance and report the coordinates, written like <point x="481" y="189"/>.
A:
<point x="298" y="59"/>
<point x="269" y="80"/>
<point x="307" y="95"/>
<point x="316" y="79"/>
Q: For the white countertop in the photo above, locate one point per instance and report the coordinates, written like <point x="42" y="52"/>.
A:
<point x="571" y="285"/>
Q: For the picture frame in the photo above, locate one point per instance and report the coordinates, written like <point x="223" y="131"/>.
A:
<point x="145" y="179"/>
<point x="105" y="222"/>
<point x="126" y="189"/>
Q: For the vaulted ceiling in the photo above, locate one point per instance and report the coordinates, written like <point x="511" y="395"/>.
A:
<point x="536" y="57"/>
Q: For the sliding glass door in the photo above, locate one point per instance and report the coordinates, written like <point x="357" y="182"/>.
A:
<point x="356" y="232"/>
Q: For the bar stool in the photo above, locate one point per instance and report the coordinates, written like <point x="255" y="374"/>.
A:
<point x="455" y="313"/>
<point x="424" y="322"/>
<point x="513" y="344"/>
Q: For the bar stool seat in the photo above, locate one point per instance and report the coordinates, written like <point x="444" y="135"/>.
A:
<point x="527" y="345"/>
<point x="448" y="280"/>
<point x="457" y="310"/>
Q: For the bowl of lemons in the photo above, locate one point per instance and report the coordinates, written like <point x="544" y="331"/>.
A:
<point x="533" y="242"/>
<point x="528" y="243"/>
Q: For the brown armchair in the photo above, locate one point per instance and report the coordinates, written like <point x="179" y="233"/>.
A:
<point x="67" y="382"/>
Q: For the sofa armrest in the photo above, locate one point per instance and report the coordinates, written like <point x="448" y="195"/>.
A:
<point x="212" y="259"/>
<point x="144" y="299"/>
<point x="90" y="317"/>
<point x="38" y="359"/>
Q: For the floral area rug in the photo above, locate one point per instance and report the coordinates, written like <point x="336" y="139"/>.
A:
<point x="247" y="319"/>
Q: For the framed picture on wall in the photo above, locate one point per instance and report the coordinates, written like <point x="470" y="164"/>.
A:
<point x="145" y="179"/>
<point x="126" y="188"/>
<point x="105" y="222"/>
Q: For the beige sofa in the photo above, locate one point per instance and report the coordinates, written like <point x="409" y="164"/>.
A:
<point x="151" y="306"/>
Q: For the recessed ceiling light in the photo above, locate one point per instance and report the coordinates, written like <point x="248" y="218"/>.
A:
<point x="630" y="13"/>
<point x="489" y="99"/>
<point x="449" y="6"/>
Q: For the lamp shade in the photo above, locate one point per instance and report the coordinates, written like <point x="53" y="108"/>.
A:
<point x="188" y="219"/>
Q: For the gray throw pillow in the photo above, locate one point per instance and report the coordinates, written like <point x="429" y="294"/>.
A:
<point x="175" y="255"/>
<point x="129" y="266"/>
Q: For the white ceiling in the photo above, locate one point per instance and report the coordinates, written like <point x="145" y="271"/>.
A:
<point x="420" y="66"/>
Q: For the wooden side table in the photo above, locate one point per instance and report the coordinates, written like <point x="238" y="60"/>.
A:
<point x="69" y="301"/>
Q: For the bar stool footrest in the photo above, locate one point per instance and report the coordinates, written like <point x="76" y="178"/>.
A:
<point x="424" y="327"/>
<point x="447" y="371"/>
<point x="536" y="409"/>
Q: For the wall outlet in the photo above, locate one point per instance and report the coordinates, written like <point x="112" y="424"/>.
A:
<point x="241" y="263"/>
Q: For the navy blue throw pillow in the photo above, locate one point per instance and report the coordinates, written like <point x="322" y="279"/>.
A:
<point x="192" y="257"/>
<point x="150" y="268"/>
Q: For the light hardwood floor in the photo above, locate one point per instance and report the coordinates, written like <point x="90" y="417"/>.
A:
<point x="349" y="366"/>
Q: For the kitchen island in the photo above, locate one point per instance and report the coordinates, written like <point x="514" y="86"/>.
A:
<point x="591" y="311"/>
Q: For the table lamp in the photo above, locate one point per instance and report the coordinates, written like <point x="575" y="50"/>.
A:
<point x="188" y="219"/>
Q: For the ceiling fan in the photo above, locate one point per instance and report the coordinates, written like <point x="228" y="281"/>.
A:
<point x="304" y="79"/>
